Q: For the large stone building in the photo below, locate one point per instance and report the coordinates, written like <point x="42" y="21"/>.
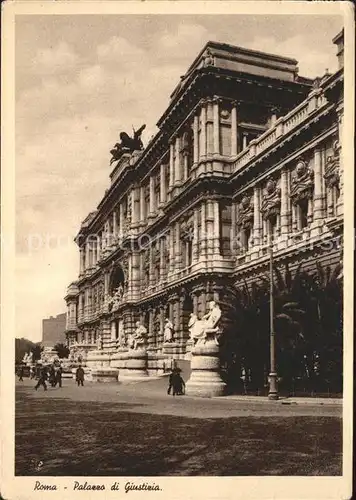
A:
<point x="54" y="330"/>
<point x="247" y="154"/>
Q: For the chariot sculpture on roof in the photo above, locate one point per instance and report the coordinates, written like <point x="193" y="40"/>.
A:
<point x="127" y="144"/>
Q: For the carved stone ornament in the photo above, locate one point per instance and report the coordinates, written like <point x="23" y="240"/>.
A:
<point x="332" y="168"/>
<point x="186" y="231"/>
<point x="302" y="183"/>
<point x="245" y="219"/>
<point x="271" y="201"/>
<point x="208" y="58"/>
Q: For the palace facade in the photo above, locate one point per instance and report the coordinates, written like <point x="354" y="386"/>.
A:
<point x="248" y="155"/>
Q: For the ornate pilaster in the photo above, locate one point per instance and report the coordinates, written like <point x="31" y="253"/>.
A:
<point x="318" y="190"/>
<point x="202" y="148"/>
<point x="178" y="256"/>
<point x="142" y="205"/>
<point x="285" y="203"/>
<point x="195" y="235"/>
<point x="177" y="165"/>
<point x="234" y="128"/>
<point x="210" y="227"/>
<point x="171" y="249"/>
<point x="216" y="228"/>
<point x="171" y="164"/>
<point x="196" y="139"/>
<point x="216" y="126"/>
<point x="121" y="220"/>
<point x="152" y="196"/>
<point x="163" y="191"/>
<point x="257" y="222"/>
<point x="203" y="231"/>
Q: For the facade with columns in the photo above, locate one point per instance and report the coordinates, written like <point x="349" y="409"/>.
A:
<point x="248" y="154"/>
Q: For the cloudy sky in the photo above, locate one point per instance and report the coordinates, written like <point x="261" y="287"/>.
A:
<point x="80" y="80"/>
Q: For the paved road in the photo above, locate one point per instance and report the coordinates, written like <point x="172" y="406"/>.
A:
<point x="151" y="397"/>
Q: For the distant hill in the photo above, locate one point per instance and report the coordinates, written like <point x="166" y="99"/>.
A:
<point x="21" y="347"/>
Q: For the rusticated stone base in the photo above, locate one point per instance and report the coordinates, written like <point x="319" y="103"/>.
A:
<point x="135" y="366"/>
<point x="205" y="380"/>
<point x="104" y="374"/>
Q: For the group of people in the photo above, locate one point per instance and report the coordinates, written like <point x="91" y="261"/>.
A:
<point x="52" y="373"/>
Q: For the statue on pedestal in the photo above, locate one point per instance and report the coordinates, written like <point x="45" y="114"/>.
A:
<point x="99" y="342"/>
<point x="116" y="297"/>
<point x="138" y="338"/>
<point x="201" y="329"/>
<point x="168" y="331"/>
<point x="128" y="144"/>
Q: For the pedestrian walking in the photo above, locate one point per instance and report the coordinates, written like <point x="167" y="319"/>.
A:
<point x="20" y="373"/>
<point x="178" y="383"/>
<point x="42" y="379"/>
<point x="58" y="377"/>
<point x="52" y="376"/>
<point x="32" y="372"/>
<point x="79" y="376"/>
<point x="170" y="382"/>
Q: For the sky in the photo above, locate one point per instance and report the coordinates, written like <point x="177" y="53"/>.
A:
<point x="80" y="81"/>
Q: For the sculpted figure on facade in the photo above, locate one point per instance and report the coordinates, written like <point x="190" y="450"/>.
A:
<point x="127" y="144"/>
<point x="302" y="182"/>
<point x="200" y="330"/>
<point x="139" y="337"/>
<point x="99" y="342"/>
<point x="271" y="201"/>
<point x="245" y="219"/>
<point x="168" y="331"/>
<point x="208" y="58"/>
<point x="332" y="167"/>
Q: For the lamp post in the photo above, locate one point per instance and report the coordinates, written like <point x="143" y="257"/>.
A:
<point x="272" y="378"/>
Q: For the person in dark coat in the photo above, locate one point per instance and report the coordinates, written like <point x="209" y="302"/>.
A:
<point x="20" y="373"/>
<point x="79" y="376"/>
<point x="178" y="383"/>
<point x="42" y="379"/>
<point x="52" y="376"/>
<point x="58" y="377"/>
<point x="170" y="382"/>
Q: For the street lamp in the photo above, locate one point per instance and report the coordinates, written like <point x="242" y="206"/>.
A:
<point x="272" y="378"/>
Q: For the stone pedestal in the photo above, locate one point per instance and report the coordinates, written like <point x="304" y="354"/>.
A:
<point x="170" y="349"/>
<point x="136" y="365"/>
<point x="119" y="361"/>
<point x="205" y="380"/>
<point x="189" y="349"/>
<point x="104" y="374"/>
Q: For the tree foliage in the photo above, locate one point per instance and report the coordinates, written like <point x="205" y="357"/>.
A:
<point x="62" y="350"/>
<point x="308" y="328"/>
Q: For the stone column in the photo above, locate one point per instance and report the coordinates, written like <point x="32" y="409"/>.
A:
<point x="162" y="262"/>
<point x="135" y="206"/>
<point x="257" y="216"/>
<point x="121" y="220"/>
<point x="178" y="256"/>
<point x="114" y="223"/>
<point x="210" y="236"/>
<point x="244" y="141"/>
<point x="202" y="147"/>
<point x="195" y="249"/>
<point x="81" y="261"/>
<point x="216" y="126"/>
<point x="171" y="249"/>
<point x="177" y="166"/>
<point x="87" y="255"/>
<point x="203" y="231"/>
<point x="284" y="203"/>
<point x="216" y="228"/>
<point x="113" y="330"/>
<point x="163" y="191"/>
<point x="234" y="129"/>
<point x="152" y="196"/>
<point x="196" y="139"/>
<point x="318" y="190"/>
<point x="171" y="164"/>
<point x="142" y="205"/>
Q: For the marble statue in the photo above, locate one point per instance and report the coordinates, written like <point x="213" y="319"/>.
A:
<point x="138" y="338"/>
<point x="116" y="297"/>
<point x="200" y="329"/>
<point x="168" y="331"/>
<point x="99" y="342"/>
